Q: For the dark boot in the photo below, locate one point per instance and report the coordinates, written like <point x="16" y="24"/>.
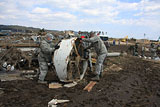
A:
<point x="42" y="82"/>
<point x="96" y="78"/>
<point x="101" y="75"/>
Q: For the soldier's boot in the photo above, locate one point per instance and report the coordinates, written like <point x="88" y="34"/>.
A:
<point x="96" y="78"/>
<point x="101" y="75"/>
<point x="42" y="82"/>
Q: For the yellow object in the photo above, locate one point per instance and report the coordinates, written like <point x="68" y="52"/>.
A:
<point x="93" y="60"/>
<point x="124" y="39"/>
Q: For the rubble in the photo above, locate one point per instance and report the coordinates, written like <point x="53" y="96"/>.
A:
<point x="131" y="81"/>
<point x="11" y="76"/>
<point x="114" y="67"/>
<point x="1" y="92"/>
<point x="13" y="58"/>
<point x="54" y="102"/>
<point x="70" y="85"/>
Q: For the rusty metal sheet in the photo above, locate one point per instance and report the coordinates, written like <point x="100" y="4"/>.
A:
<point x="61" y="58"/>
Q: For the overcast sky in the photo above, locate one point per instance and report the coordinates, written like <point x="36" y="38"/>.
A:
<point x="117" y="17"/>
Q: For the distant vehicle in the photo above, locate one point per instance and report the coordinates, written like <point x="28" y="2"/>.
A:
<point x="103" y="37"/>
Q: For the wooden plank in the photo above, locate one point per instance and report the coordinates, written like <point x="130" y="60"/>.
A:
<point x="55" y="85"/>
<point x="90" y="86"/>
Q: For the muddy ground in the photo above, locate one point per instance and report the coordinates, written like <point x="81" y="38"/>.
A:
<point x="137" y="84"/>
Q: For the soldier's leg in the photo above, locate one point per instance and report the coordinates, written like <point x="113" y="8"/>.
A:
<point x="102" y="58"/>
<point x="43" y="69"/>
<point x="99" y="63"/>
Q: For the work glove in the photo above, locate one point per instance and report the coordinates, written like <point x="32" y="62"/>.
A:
<point x="60" y="41"/>
<point x="57" y="47"/>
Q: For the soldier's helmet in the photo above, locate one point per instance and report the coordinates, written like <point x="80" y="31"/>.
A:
<point x="49" y="35"/>
<point x="91" y="33"/>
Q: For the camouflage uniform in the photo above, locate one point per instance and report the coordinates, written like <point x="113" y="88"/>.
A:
<point x="100" y="49"/>
<point x="45" y="57"/>
<point x="87" y="61"/>
<point x="153" y="51"/>
<point x="135" y="50"/>
<point x="143" y="51"/>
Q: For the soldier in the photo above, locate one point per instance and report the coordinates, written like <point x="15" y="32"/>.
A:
<point x="143" y="51"/>
<point x="135" y="50"/>
<point x="88" y="61"/>
<point x="153" y="51"/>
<point x="107" y="44"/>
<point x="45" y="56"/>
<point x="101" y="52"/>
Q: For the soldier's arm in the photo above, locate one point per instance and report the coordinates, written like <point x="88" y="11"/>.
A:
<point x="91" y="45"/>
<point x="92" y="39"/>
<point x="46" y="49"/>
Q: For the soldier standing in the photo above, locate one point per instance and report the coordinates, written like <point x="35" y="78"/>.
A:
<point x="47" y="49"/>
<point x="153" y="51"/>
<point x="101" y="52"/>
<point x="143" y="51"/>
<point x="135" y="50"/>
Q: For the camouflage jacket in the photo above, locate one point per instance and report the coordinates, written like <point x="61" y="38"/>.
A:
<point x="97" y="43"/>
<point x="46" y="49"/>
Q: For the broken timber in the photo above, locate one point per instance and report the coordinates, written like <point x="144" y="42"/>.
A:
<point x="90" y="86"/>
<point x="55" y="85"/>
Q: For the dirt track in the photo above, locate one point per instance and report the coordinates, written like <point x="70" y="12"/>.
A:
<point x="136" y="85"/>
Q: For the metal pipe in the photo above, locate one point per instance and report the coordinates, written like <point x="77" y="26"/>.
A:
<point x="113" y="54"/>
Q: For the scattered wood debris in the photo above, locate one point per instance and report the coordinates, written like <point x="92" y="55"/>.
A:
<point x="70" y="85"/>
<point x="54" y="102"/>
<point x="90" y="86"/>
<point x="55" y="85"/>
<point x="113" y="67"/>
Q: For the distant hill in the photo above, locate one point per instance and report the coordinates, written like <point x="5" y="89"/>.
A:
<point x="23" y="29"/>
<point x="16" y="28"/>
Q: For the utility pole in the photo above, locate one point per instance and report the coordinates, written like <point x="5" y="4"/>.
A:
<point x="144" y="38"/>
<point x="144" y="35"/>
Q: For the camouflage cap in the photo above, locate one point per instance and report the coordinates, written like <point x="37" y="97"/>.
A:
<point x="50" y="36"/>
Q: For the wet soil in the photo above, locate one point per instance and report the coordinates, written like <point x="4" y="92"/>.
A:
<point x="137" y="84"/>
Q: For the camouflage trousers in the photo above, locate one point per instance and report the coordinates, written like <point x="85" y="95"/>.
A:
<point x="43" y="67"/>
<point x="99" y="63"/>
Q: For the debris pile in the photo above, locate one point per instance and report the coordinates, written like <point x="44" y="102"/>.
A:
<point x="13" y="58"/>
